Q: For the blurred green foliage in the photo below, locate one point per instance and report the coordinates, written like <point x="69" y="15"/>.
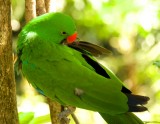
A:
<point x="130" y="29"/>
<point x="28" y="118"/>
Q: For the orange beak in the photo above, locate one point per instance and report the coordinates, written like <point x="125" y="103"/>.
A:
<point x="72" y="38"/>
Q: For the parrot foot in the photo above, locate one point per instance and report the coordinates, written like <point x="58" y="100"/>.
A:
<point x="65" y="113"/>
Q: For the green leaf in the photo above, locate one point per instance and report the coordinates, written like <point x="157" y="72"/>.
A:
<point x="41" y="120"/>
<point x="25" y="117"/>
<point x="157" y="63"/>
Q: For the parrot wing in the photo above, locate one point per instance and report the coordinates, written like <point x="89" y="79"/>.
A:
<point x="67" y="75"/>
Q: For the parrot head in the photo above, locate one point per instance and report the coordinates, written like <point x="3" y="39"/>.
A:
<point x="54" y="27"/>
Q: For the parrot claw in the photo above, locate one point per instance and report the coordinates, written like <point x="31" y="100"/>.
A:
<point x="64" y="114"/>
<point x="65" y="120"/>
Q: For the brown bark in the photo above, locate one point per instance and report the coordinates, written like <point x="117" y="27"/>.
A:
<point x="30" y="10"/>
<point x="47" y="5"/>
<point x="55" y="109"/>
<point x="8" y="104"/>
<point x="40" y="7"/>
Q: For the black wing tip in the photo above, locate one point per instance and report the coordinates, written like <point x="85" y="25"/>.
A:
<point x="98" y="69"/>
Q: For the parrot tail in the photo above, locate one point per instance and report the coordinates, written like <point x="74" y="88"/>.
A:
<point x="126" y="118"/>
<point x="135" y="104"/>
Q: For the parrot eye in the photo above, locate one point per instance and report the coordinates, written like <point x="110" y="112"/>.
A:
<point x="63" y="33"/>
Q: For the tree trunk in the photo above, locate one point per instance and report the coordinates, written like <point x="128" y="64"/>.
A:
<point x="8" y="104"/>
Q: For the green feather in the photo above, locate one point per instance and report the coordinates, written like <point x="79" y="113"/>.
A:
<point x="126" y="118"/>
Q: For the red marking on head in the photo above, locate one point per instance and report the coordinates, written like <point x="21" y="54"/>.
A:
<point x="72" y="38"/>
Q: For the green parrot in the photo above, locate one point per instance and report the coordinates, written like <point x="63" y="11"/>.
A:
<point x="65" y="69"/>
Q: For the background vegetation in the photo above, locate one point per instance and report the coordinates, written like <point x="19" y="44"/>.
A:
<point x="130" y="29"/>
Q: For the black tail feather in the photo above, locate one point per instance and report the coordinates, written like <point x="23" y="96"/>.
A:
<point x="135" y="102"/>
<point x="137" y="108"/>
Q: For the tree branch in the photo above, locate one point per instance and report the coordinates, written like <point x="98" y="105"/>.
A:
<point x="30" y="10"/>
<point x="40" y="7"/>
<point x="47" y="5"/>
<point x="8" y="103"/>
<point x="75" y="118"/>
<point x="55" y="109"/>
